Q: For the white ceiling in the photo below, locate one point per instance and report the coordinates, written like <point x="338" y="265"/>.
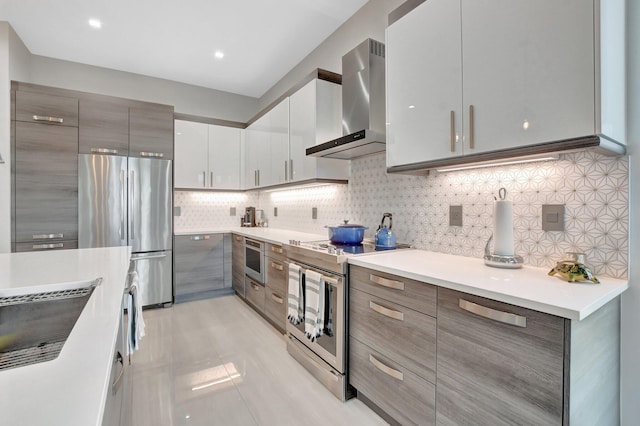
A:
<point x="176" y="40"/>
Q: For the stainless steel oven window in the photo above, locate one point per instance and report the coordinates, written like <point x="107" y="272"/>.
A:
<point x="254" y="260"/>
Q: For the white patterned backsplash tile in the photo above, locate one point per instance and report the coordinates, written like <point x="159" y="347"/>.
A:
<point x="202" y="209"/>
<point x="593" y="188"/>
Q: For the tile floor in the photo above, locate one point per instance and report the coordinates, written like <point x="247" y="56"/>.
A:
<point x="217" y="362"/>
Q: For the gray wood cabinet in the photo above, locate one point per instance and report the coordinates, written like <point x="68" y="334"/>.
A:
<point x="495" y="372"/>
<point x="255" y="294"/>
<point x="151" y="131"/>
<point x="103" y="125"/>
<point x="392" y="346"/>
<point x="45" y="184"/>
<point x="237" y="268"/>
<point x="199" y="266"/>
<point x="46" y="108"/>
<point x="275" y="307"/>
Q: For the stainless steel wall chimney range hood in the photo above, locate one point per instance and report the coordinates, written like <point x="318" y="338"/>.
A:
<point x="363" y="105"/>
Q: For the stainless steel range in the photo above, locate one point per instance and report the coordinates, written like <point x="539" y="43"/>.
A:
<point x="326" y="356"/>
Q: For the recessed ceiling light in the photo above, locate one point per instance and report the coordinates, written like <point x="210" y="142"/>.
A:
<point x="95" y="23"/>
<point x="219" y="54"/>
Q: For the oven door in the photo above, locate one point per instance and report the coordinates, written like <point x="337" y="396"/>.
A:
<point x="254" y="259"/>
<point x="329" y="346"/>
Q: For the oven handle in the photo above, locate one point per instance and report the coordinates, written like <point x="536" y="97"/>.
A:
<point x="328" y="280"/>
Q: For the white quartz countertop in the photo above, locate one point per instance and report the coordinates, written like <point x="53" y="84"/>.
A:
<point x="71" y="389"/>
<point x="271" y="235"/>
<point x="529" y="287"/>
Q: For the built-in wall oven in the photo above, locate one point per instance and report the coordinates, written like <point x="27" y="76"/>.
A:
<point x="254" y="259"/>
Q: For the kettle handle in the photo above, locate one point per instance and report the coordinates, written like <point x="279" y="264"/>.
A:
<point x="385" y="215"/>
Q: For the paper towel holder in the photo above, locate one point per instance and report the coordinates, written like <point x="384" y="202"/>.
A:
<point x="501" y="261"/>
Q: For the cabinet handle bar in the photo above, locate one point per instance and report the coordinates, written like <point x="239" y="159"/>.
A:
<point x="385" y="369"/>
<point x="151" y="154"/>
<point x="104" y="151"/>
<point x="386" y="311"/>
<point x="277" y="299"/>
<point x="471" y="130"/>
<point x="277" y="250"/>
<point x="48" y="118"/>
<point x="452" y="130"/>
<point x="277" y="266"/>
<point x="47" y="236"/>
<point x="396" y="285"/>
<point x="48" y="246"/>
<point x="493" y="314"/>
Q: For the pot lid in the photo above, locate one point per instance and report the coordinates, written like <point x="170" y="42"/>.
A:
<point x="346" y="224"/>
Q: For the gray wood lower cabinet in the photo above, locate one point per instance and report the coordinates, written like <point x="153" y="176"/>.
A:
<point x="201" y="266"/>
<point x="255" y="294"/>
<point x="275" y="307"/>
<point x="478" y="361"/>
<point x="493" y="372"/>
<point x="237" y="268"/>
<point x="392" y="345"/>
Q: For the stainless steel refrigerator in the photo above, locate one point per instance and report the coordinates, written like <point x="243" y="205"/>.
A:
<point x="128" y="201"/>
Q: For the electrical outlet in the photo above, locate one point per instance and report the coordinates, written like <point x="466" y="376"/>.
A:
<point x="314" y="212"/>
<point x="275" y="212"/>
<point x="177" y="211"/>
<point x="553" y="217"/>
<point x="455" y="215"/>
<point x="232" y="211"/>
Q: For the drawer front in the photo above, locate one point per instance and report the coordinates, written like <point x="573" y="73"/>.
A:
<point x="413" y="294"/>
<point x="44" y="245"/>
<point x="275" y="307"/>
<point x="47" y="109"/>
<point x="404" y="335"/>
<point x="199" y="263"/>
<point x="406" y="397"/>
<point x="493" y="368"/>
<point x="275" y="251"/>
<point x="255" y="294"/>
<point x="237" y="265"/>
<point x="276" y="275"/>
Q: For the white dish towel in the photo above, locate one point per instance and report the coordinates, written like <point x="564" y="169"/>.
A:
<point x="314" y="305"/>
<point x="136" y="324"/>
<point x="295" y="304"/>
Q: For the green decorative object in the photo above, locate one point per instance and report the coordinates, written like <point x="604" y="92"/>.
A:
<point x="573" y="269"/>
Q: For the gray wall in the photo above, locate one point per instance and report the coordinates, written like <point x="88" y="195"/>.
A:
<point x="630" y="377"/>
<point x="369" y="22"/>
<point x="14" y="64"/>
<point x="186" y="98"/>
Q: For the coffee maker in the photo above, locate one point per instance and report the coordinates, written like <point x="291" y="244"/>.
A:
<point x="249" y="218"/>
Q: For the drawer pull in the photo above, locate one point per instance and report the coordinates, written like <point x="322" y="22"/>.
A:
<point x="277" y="266"/>
<point x="493" y="314"/>
<point x="151" y="154"/>
<point x="277" y="249"/>
<point x="47" y="236"/>
<point x="256" y="287"/>
<point x="385" y="369"/>
<point x="48" y="118"/>
<point x="386" y="311"/>
<point x="277" y="299"/>
<point x="238" y="238"/>
<point x="104" y="151"/>
<point x="200" y="237"/>
<point x="396" y="285"/>
<point x="48" y="246"/>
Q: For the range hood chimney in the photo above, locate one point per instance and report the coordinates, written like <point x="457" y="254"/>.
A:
<point x="363" y="105"/>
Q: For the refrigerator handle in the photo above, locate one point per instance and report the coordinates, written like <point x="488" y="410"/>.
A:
<point x="123" y="205"/>
<point x="131" y="212"/>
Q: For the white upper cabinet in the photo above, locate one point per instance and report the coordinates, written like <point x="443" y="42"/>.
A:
<point x="191" y="153"/>
<point x="224" y="157"/>
<point x="424" y="84"/>
<point x="206" y="156"/>
<point x="314" y="118"/>
<point x="501" y="76"/>
<point x="276" y="143"/>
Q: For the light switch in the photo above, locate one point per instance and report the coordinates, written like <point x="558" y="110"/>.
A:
<point x="232" y="211"/>
<point x="177" y="211"/>
<point x="275" y="212"/>
<point x="553" y="217"/>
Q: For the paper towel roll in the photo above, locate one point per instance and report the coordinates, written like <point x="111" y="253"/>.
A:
<point x="503" y="228"/>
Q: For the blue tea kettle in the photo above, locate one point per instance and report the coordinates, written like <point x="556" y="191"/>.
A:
<point x="385" y="237"/>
